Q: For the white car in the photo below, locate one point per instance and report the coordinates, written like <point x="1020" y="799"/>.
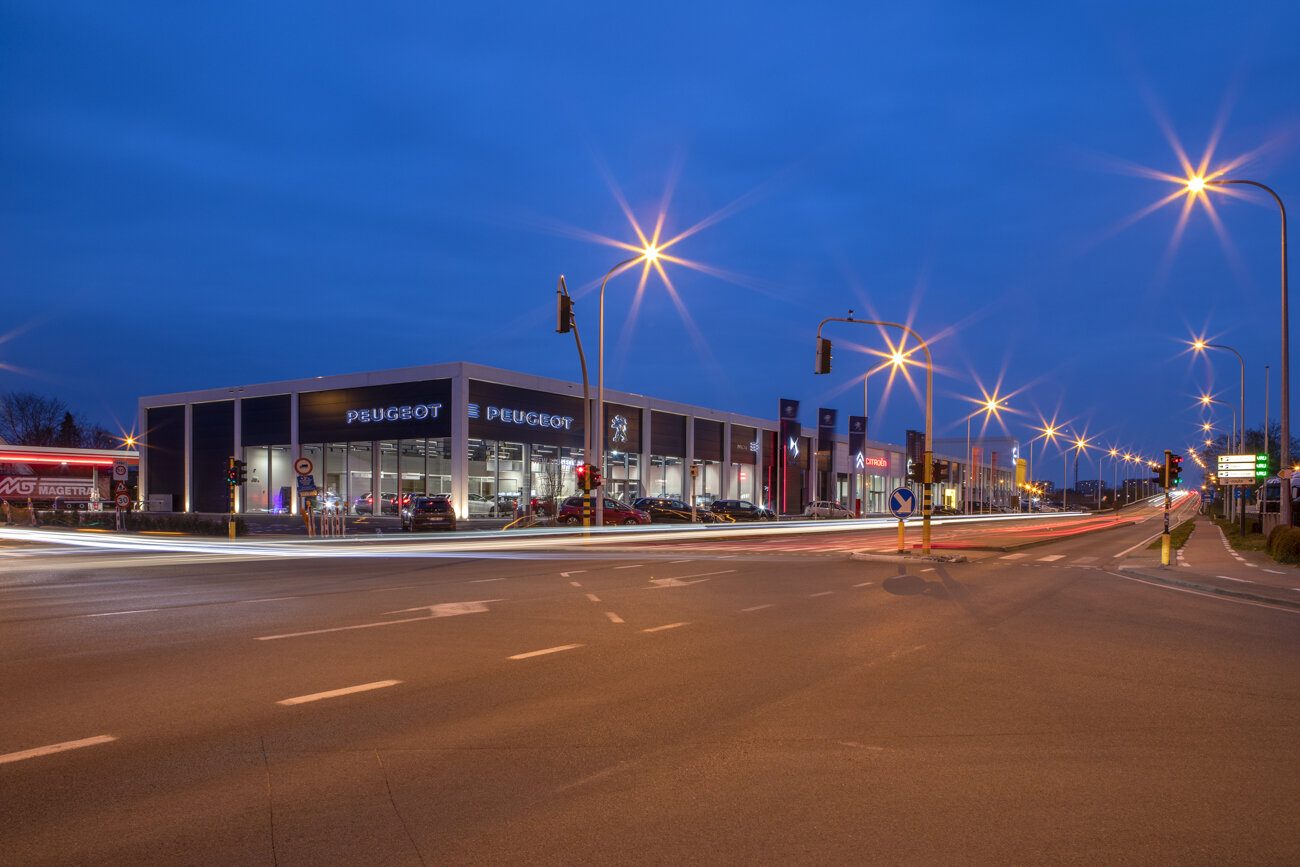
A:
<point x="827" y="509"/>
<point x="481" y="506"/>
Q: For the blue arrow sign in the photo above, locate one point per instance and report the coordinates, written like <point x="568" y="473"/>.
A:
<point x="902" y="503"/>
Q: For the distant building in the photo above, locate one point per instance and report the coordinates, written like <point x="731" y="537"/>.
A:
<point x="1046" y="486"/>
<point x="1089" y="487"/>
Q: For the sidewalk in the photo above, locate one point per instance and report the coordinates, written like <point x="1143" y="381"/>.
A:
<point x="1207" y="562"/>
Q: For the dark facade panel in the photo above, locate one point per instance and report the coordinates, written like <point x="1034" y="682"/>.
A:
<point x="404" y="410"/>
<point x="266" y="421"/>
<point x="213" y="442"/>
<point x="622" y="428"/>
<point x="166" y="451"/>
<point x="744" y="442"/>
<point x="708" y="440"/>
<point x="668" y="433"/>
<point x="510" y="414"/>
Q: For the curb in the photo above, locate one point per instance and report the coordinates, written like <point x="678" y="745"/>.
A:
<point x="1151" y="573"/>
<point x="907" y="558"/>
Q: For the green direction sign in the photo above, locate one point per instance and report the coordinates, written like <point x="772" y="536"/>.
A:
<point x="1261" y="466"/>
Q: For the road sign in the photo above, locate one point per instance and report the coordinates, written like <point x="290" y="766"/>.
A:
<point x="119" y="488"/>
<point x="303" y="466"/>
<point x="1243" y="466"/>
<point x="306" y="484"/>
<point x="119" y="471"/>
<point x="902" y="503"/>
<point x="123" y="500"/>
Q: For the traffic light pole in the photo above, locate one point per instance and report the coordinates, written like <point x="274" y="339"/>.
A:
<point x="568" y="322"/>
<point x="1165" y="542"/>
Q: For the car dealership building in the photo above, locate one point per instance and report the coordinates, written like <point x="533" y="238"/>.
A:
<point x="466" y="429"/>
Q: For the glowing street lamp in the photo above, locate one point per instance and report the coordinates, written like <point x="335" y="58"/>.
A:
<point x="1196" y="185"/>
<point x="990" y="405"/>
<point x="1201" y="346"/>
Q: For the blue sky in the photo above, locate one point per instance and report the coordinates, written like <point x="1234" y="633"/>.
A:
<point x="201" y="195"/>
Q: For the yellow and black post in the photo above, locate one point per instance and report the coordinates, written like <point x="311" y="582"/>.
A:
<point x="231" y="480"/>
<point x="1165" y="542"/>
<point x="927" y="480"/>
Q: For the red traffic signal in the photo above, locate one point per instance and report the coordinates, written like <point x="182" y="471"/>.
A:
<point x="584" y="480"/>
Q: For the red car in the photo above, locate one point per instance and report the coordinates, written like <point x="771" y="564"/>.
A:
<point x="615" y="512"/>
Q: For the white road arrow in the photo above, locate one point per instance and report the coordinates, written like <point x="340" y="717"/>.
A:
<point x="450" y="609"/>
<point x="674" y="582"/>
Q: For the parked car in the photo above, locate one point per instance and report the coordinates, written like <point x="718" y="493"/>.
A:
<point x="940" y="511"/>
<point x="614" y="512"/>
<point x="827" y="509"/>
<point x="365" y="504"/>
<point x="665" y="510"/>
<point x="426" y="513"/>
<point x="740" y="510"/>
<point x="482" y="507"/>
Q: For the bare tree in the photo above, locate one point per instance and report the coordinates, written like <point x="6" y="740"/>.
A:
<point x="31" y="419"/>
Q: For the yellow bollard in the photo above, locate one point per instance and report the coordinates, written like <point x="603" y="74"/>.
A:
<point x="1164" y="549"/>
<point x="901" y="544"/>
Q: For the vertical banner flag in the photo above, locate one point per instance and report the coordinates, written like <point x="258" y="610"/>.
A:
<point x="825" y="429"/>
<point x="790" y="429"/>
<point x="857" y="442"/>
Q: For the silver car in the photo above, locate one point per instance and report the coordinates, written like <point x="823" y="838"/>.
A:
<point x="827" y="509"/>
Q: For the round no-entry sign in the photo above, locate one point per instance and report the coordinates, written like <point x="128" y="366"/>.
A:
<point x="303" y="466"/>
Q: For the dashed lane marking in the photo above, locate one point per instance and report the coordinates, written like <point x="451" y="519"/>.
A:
<point x="633" y="566"/>
<point x="575" y="572"/>
<point x="485" y="580"/>
<point x="593" y="597"/>
<point x="335" y="693"/>
<point x="1013" y="556"/>
<point x="532" y="653"/>
<point x="1051" y="558"/>
<point x="120" y="613"/>
<point x="823" y="593"/>
<point x="1238" y="580"/>
<point x="756" y="608"/>
<point x="864" y="584"/>
<point x="575" y="584"/>
<point x="613" y="618"/>
<point x="669" y="626"/>
<point x="1274" y="571"/>
<point x="55" y="748"/>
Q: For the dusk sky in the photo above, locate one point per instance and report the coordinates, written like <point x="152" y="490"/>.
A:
<point x="205" y="195"/>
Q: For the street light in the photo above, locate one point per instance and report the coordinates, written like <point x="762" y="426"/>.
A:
<point x="1196" y="185"/>
<point x="1201" y="346"/>
<point x="1206" y="400"/>
<point x="649" y="254"/>
<point x="989" y="406"/>
<point x="899" y="358"/>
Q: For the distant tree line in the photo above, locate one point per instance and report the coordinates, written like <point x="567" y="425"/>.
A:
<point x="30" y="419"/>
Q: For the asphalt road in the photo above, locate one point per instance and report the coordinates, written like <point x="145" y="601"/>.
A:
<point x="656" y="706"/>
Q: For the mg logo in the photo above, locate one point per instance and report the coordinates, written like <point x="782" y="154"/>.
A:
<point x="17" y="486"/>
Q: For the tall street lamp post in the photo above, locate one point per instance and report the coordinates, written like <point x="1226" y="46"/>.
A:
<point x="1198" y="184"/>
<point x="823" y="365"/>
<point x="1241" y="435"/>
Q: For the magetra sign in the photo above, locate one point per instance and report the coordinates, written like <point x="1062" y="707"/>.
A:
<point x="46" y="488"/>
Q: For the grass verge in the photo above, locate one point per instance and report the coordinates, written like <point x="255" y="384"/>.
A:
<point x="1240" y="541"/>
<point x="1177" y="537"/>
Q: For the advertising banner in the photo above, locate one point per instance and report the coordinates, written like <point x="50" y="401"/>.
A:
<point x="826" y="429"/>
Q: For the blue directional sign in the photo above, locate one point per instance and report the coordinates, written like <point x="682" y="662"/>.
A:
<point x="902" y="503"/>
<point x="306" y="484"/>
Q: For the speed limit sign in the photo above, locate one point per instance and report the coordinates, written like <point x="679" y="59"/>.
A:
<point x="119" y="471"/>
<point x="303" y="466"/>
<point x="123" y="501"/>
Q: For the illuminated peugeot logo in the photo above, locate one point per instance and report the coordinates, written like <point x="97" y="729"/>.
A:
<point x="618" y="428"/>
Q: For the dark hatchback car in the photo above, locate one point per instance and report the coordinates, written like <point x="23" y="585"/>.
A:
<point x="429" y="513"/>
<point x="664" y="510"/>
<point x="740" y="510"/>
<point x="615" y="512"/>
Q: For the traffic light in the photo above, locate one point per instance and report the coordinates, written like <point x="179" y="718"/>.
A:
<point x="238" y="469"/>
<point x="1159" y="477"/>
<point x="563" y="313"/>
<point x="823" y="356"/>
<point x="584" y="482"/>
<point x="1173" y="468"/>
<point x="593" y="477"/>
<point x="941" y="472"/>
<point x="232" y="475"/>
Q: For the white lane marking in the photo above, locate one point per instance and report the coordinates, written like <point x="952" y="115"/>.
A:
<point x="661" y="583"/>
<point x="1251" y="565"/>
<point x="485" y="580"/>
<point x="1091" y="559"/>
<point x="120" y="613"/>
<point x="575" y="584"/>
<point x="449" y="609"/>
<point x="1238" y="580"/>
<point x="681" y="561"/>
<point x="669" y="626"/>
<point x="1275" y="571"/>
<point x="633" y="566"/>
<point x="864" y="584"/>
<point x="823" y="593"/>
<point x="1051" y="558"/>
<point x="266" y="599"/>
<point x="1012" y="556"/>
<point x="593" y="597"/>
<point x="55" y="748"/>
<point x="613" y="618"/>
<point x="533" y="653"/>
<point x="757" y="608"/>
<point x="575" y="572"/>
<point x="703" y="574"/>
<point x="931" y="569"/>
<point x="335" y="693"/>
